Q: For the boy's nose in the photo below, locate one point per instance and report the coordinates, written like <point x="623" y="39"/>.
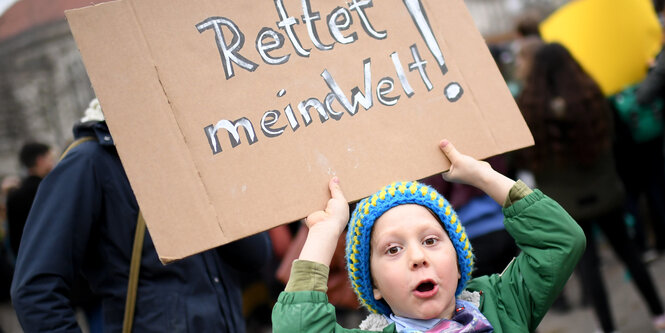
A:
<point x="418" y="258"/>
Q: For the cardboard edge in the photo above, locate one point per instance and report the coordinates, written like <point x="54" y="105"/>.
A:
<point x="112" y="20"/>
<point x="520" y="134"/>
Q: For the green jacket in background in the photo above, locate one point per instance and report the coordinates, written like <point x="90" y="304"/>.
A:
<point x="514" y="301"/>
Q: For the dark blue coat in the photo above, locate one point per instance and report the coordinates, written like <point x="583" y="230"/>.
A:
<point x="83" y="220"/>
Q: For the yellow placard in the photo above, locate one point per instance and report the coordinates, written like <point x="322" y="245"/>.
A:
<point x="612" y="39"/>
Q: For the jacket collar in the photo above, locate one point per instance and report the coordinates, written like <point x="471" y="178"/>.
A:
<point x="377" y="322"/>
<point x="97" y="129"/>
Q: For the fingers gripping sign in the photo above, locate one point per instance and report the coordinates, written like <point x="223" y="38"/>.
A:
<point x="463" y="168"/>
<point x="325" y="226"/>
<point x="336" y="213"/>
<point x="467" y="170"/>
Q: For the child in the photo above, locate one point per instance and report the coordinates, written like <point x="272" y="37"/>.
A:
<point x="409" y="260"/>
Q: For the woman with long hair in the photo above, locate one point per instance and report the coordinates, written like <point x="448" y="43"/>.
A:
<point x="572" y="161"/>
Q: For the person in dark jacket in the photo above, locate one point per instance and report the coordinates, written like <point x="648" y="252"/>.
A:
<point x="653" y="85"/>
<point x="38" y="159"/>
<point x="83" y="220"/>
<point x="641" y="164"/>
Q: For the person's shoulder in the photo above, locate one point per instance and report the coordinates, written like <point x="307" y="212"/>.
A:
<point x="87" y="157"/>
<point x="86" y="145"/>
<point x="91" y="139"/>
<point x="86" y="152"/>
<point x="13" y="196"/>
<point x="27" y="188"/>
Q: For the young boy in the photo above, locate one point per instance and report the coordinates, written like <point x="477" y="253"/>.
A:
<point x="409" y="259"/>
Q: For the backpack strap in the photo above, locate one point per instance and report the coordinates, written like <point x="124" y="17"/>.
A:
<point x="135" y="263"/>
<point x="76" y="143"/>
<point x="134" y="267"/>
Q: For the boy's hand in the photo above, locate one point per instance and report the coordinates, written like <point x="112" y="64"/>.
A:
<point x="325" y="227"/>
<point x="463" y="168"/>
<point x="336" y="214"/>
<point x="467" y="170"/>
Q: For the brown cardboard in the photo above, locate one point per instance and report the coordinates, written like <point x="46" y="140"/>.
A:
<point x="161" y="82"/>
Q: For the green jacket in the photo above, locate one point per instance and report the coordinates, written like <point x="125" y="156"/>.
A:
<point x="514" y="301"/>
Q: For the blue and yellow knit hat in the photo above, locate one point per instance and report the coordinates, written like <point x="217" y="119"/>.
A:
<point x="371" y="208"/>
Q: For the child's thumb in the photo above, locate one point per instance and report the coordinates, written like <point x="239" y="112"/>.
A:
<point x="335" y="189"/>
<point x="448" y="149"/>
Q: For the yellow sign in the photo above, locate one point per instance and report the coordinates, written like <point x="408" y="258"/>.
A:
<point x="612" y="39"/>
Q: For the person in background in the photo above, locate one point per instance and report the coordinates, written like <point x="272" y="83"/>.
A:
<point x="38" y="159"/>
<point x="9" y="183"/>
<point x="84" y="219"/>
<point x="527" y="24"/>
<point x="526" y="32"/>
<point x="640" y="158"/>
<point x="653" y="85"/>
<point x="573" y="162"/>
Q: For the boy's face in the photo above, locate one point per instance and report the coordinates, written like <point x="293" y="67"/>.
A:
<point x="413" y="263"/>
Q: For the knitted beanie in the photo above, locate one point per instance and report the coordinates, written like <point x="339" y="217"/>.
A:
<point x="371" y="208"/>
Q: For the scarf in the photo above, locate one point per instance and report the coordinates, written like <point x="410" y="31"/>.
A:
<point x="466" y="319"/>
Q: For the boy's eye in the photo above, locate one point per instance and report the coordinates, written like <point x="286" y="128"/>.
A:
<point x="393" y="250"/>
<point x="430" y="241"/>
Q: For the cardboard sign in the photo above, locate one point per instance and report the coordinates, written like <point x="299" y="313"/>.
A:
<point x="612" y="39"/>
<point x="230" y="117"/>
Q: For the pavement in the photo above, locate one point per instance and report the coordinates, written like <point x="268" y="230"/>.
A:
<point x="629" y="310"/>
<point x="8" y="321"/>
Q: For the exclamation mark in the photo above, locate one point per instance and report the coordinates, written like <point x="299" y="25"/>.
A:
<point x="419" y="17"/>
<point x="453" y="91"/>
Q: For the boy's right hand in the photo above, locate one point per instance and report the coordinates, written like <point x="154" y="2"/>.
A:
<point x="336" y="213"/>
<point x="325" y="226"/>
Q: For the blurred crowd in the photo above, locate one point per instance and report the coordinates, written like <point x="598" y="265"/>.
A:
<point x="68" y="229"/>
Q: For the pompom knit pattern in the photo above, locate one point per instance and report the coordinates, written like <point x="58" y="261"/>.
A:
<point x="371" y="208"/>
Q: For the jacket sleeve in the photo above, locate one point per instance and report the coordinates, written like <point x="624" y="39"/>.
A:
<point x="304" y="306"/>
<point x="54" y="242"/>
<point x="552" y="243"/>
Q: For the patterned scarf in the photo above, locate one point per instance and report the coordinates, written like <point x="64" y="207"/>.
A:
<point x="466" y="319"/>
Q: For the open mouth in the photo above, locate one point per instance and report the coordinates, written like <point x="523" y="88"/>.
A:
<point x="425" y="286"/>
<point x="426" y="289"/>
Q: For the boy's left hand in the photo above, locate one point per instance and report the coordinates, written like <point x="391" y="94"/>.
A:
<point x="467" y="170"/>
<point x="463" y="168"/>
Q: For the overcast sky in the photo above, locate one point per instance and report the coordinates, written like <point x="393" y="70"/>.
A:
<point x="4" y="4"/>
